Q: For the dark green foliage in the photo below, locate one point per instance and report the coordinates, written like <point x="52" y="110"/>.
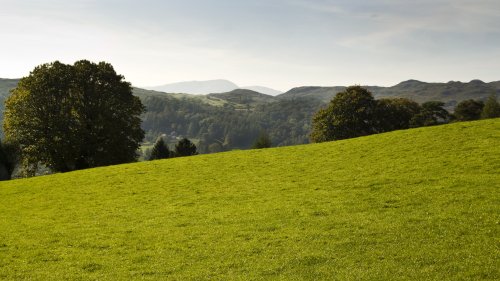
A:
<point x="431" y="113"/>
<point x="491" y="108"/>
<point x="350" y="114"/>
<point x="228" y="127"/>
<point x="6" y="165"/>
<point x="70" y="117"/>
<point x="185" y="148"/>
<point x="160" y="150"/>
<point x="354" y="113"/>
<point x="263" y="141"/>
<point x="468" y="110"/>
<point x="9" y="159"/>
<point x="395" y="114"/>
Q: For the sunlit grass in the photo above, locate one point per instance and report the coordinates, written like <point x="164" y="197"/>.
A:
<point x="420" y="204"/>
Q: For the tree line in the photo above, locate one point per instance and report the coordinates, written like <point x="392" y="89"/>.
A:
<point x="354" y="113"/>
<point x="160" y="149"/>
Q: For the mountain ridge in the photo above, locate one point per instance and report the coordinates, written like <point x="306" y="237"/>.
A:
<point x="450" y="93"/>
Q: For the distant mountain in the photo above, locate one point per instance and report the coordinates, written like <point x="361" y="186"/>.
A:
<point x="209" y="87"/>
<point x="450" y="93"/>
<point x="6" y="85"/>
<point x="197" y="87"/>
<point x="263" y="90"/>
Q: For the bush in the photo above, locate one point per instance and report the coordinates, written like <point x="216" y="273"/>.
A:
<point x="160" y="150"/>
<point x="185" y="148"/>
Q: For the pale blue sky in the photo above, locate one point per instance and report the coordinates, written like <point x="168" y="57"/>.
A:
<point x="274" y="43"/>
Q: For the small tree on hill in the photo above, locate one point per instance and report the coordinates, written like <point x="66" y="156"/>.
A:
<point x="263" y="141"/>
<point x="491" y="108"/>
<point x="468" y="110"/>
<point x="160" y="150"/>
<point x="185" y="148"/>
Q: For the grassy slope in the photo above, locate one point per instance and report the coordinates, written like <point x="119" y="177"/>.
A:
<point x="419" y="204"/>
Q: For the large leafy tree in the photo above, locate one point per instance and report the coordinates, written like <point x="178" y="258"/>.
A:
<point x="349" y="114"/>
<point x="70" y="117"/>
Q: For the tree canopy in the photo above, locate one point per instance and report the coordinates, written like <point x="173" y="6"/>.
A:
<point x="491" y="108"/>
<point x="468" y="110"/>
<point x="349" y="114"/>
<point x="394" y="114"/>
<point x="70" y="117"/>
<point x="431" y="113"/>
<point x="355" y="113"/>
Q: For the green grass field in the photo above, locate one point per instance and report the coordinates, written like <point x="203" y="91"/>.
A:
<point x="420" y="204"/>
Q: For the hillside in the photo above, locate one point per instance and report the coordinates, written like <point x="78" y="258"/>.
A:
<point x="263" y="90"/>
<point x="228" y="121"/>
<point x="197" y="87"/>
<point x="419" y="204"/>
<point x="243" y="99"/>
<point x="210" y="87"/>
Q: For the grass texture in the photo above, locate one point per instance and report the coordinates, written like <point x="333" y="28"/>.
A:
<point x="419" y="204"/>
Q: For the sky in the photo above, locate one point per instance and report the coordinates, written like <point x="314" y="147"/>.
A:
<point x="275" y="43"/>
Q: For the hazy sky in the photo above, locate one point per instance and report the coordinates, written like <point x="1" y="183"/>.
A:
<point x="274" y="43"/>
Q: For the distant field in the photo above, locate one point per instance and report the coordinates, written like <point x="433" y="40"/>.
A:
<point x="420" y="204"/>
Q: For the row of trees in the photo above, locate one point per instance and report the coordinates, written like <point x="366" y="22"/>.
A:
<point x="469" y="110"/>
<point x="185" y="147"/>
<point x="355" y="113"/>
<point x="160" y="149"/>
